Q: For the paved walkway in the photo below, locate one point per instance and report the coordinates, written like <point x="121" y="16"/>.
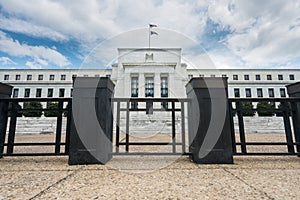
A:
<point x="138" y="178"/>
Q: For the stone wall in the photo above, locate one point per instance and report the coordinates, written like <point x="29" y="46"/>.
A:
<point x="150" y="124"/>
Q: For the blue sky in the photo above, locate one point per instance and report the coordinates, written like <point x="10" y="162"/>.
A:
<point x="235" y="34"/>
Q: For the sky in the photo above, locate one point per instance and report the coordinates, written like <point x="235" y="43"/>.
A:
<point x="55" y="34"/>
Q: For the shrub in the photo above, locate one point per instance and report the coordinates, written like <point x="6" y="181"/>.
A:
<point x="33" y="113"/>
<point x="53" y="112"/>
<point x="261" y="106"/>
<point x="247" y="105"/>
<point x="280" y="106"/>
<point x="18" y="107"/>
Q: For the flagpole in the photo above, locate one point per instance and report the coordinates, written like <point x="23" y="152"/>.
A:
<point x="149" y="37"/>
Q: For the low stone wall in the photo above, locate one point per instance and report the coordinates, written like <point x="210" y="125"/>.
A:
<point x="148" y="124"/>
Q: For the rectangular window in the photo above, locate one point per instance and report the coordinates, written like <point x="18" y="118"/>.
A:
<point x="292" y="77"/>
<point x="18" y="77"/>
<point x="224" y="75"/>
<point x="235" y="77"/>
<point x="164" y="90"/>
<point x="149" y="87"/>
<point x="108" y="75"/>
<point x="16" y="92"/>
<point x="236" y="92"/>
<point x="282" y="92"/>
<point x="38" y="92"/>
<point x="248" y="92"/>
<point x="50" y="92"/>
<point x="190" y="76"/>
<point x="271" y="92"/>
<point x="40" y="77"/>
<point x="61" y="92"/>
<point x="246" y="77"/>
<point x="212" y="75"/>
<point x="280" y="77"/>
<point x="71" y="92"/>
<point x="97" y="75"/>
<point x="200" y="75"/>
<point x="134" y="86"/>
<point x="6" y="77"/>
<point x="257" y="77"/>
<point x="259" y="92"/>
<point x="269" y="77"/>
<point x="85" y="75"/>
<point x="63" y="77"/>
<point x="29" y="77"/>
<point x="27" y="92"/>
<point x="51" y="77"/>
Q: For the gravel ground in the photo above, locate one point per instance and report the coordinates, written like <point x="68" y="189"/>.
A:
<point x="151" y="177"/>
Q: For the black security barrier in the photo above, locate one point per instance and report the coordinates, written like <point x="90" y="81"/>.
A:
<point x="5" y="92"/>
<point x="209" y="123"/>
<point x="294" y="91"/>
<point x="92" y="121"/>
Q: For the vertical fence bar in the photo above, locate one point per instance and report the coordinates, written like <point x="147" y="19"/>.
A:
<point x="241" y="127"/>
<point x="118" y="127"/>
<point x="232" y="126"/>
<point x="173" y="128"/>
<point x="3" y="124"/>
<point x="68" y="132"/>
<point x="12" y="129"/>
<point x="127" y="128"/>
<point x="182" y="127"/>
<point x="58" y="128"/>
<point x="287" y="127"/>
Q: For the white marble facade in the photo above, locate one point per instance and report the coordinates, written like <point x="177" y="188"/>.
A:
<point x="152" y="65"/>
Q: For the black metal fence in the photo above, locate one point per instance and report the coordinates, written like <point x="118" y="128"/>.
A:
<point x="284" y="108"/>
<point x="12" y="110"/>
<point x="147" y="105"/>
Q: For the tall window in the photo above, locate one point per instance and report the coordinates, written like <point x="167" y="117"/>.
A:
<point x="236" y="92"/>
<point x="18" y="77"/>
<point x="259" y="92"/>
<point x="134" y="86"/>
<point x="38" y="92"/>
<point x="257" y="77"/>
<point x="50" y="92"/>
<point x="248" y="92"/>
<point x="51" y="77"/>
<point x="282" y="92"/>
<point x="40" y="77"/>
<point x="27" y="92"/>
<point x="164" y="90"/>
<point x="61" y="92"/>
<point x="6" y="77"/>
<point x="292" y="77"/>
<point x="63" y="77"/>
<point x="235" y="77"/>
<point x="16" y="92"/>
<point x="149" y="87"/>
<point x="246" y="77"/>
<point x="271" y="92"/>
<point x="29" y="77"/>
<point x="269" y="77"/>
<point x="280" y="77"/>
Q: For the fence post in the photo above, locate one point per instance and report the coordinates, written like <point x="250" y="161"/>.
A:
<point x="294" y="91"/>
<point x="92" y="121"/>
<point x="209" y="122"/>
<point x="5" y="92"/>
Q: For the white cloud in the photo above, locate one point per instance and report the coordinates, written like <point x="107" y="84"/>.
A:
<point x="6" y="61"/>
<point x="263" y="33"/>
<point x="41" y="55"/>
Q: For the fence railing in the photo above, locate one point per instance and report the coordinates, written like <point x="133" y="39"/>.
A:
<point x="11" y="109"/>
<point x="280" y="107"/>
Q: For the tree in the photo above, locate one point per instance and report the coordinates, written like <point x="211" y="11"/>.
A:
<point x="53" y="112"/>
<point x="264" y="109"/>
<point x="33" y="113"/>
<point x="281" y="107"/>
<point x="248" y="105"/>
